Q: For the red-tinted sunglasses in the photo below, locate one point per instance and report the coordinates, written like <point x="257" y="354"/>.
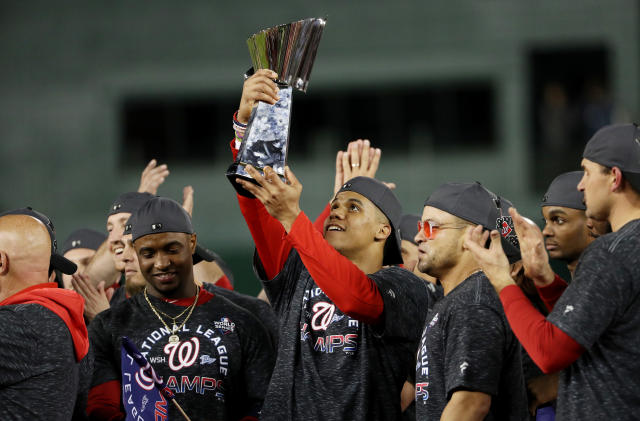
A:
<point x="430" y="229"/>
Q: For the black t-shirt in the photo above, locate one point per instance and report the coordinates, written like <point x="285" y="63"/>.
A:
<point x="260" y="309"/>
<point x="38" y="368"/>
<point x="219" y="370"/>
<point x="332" y="367"/>
<point x="601" y="311"/>
<point x="467" y="344"/>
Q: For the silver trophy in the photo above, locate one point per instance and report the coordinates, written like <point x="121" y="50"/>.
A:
<point x="290" y="51"/>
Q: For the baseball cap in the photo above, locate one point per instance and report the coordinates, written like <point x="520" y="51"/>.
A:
<point x="200" y="254"/>
<point x="384" y="199"/>
<point x="478" y="205"/>
<point x="563" y="191"/>
<point x="56" y="261"/>
<point x="85" y="238"/>
<point x="409" y="227"/>
<point x="160" y="215"/>
<point x="617" y="145"/>
<point x="129" y="202"/>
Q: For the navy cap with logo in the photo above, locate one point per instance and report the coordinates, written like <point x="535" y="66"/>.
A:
<point x="129" y="202"/>
<point x="563" y="191"/>
<point x="617" y="146"/>
<point x="58" y="262"/>
<point x="384" y="199"/>
<point x="200" y="254"/>
<point x="409" y="227"/>
<point x="160" y="215"/>
<point x="83" y="238"/>
<point x="478" y="205"/>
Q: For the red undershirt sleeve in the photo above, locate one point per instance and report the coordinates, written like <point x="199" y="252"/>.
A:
<point x="319" y="222"/>
<point x="348" y="287"/>
<point x="267" y="232"/>
<point x="224" y="282"/>
<point x="103" y="403"/>
<point x="549" y="347"/>
<point x="551" y="293"/>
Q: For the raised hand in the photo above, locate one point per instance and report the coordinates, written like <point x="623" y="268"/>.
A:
<point x="534" y="254"/>
<point x="95" y="299"/>
<point x="360" y="159"/>
<point x="187" y="199"/>
<point x="281" y="199"/>
<point x="492" y="261"/>
<point x="259" y="87"/>
<point x="152" y="176"/>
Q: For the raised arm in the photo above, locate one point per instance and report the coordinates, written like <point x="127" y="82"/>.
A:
<point x="267" y="232"/>
<point x="345" y="284"/>
<point x="548" y="346"/>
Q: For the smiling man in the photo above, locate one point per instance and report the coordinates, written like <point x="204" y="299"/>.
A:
<point x="214" y="355"/>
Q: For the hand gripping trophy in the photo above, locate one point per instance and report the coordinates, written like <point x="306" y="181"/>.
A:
<point x="290" y="51"/>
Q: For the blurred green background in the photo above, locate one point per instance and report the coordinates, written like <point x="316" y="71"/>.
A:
<point x="502" y="92"/>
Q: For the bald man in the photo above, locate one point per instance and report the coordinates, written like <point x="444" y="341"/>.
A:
<point x="42" y="333"/>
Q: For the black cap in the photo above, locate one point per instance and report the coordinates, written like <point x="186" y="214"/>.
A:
<point x="129" y="202"/>
<point x="617" y="146"/>
<point x="563" y="191"/>
<point x="83" y="238"/>
<point x="409" y="227"/>
<point x="476" y="204"/>
<point x="56" y="261"/>
<point x="384" y="199"/>
<point x="159" y="215"/>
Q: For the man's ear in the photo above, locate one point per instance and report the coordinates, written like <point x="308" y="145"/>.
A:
<point x="384" y="231"/>
<point x="617" y="179"/>
<point x="4" y="263"/>
<point x="192" y="242"/>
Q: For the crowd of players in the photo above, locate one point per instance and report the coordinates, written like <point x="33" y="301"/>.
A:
<point x="367" y="313"/>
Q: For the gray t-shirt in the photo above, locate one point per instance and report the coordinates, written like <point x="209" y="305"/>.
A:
<point x="38" y="368"/>
<point x="467" y="344"/>
<point x="332" y="367"/>
<point x="601" y="311"/>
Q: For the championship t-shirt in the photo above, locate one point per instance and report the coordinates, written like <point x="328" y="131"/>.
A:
<point x="260" y="309"/>
<point x="601" y="311"/>
<point x="219" y="369"/>
<point x="467" y="344"/>
<point x="333" y="367"/>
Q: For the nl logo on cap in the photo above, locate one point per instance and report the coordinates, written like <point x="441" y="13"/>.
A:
<point x="156" y="226"/>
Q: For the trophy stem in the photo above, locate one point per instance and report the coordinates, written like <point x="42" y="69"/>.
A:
<point x="266" y="140"/>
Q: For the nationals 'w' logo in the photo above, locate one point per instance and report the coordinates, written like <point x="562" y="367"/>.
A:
<point x="185" y="352"/>
<point x="146" y="376"/>
<point x="322" y="315"/>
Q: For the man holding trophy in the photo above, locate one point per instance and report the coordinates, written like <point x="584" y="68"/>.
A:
<point x="349" y="327"/>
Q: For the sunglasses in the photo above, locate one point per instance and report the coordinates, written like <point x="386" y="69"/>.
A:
<point x="430" y="229"/>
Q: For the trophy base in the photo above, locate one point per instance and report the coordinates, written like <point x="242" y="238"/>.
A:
<point x="236" y="171"/>
<point x="233" y="175"/>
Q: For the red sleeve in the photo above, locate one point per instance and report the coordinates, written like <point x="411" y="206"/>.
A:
<point x="319" y="222"/>
<point x="103" y="402"/>
<point x="347" y="286"/>
<point x="548" y="346"/>
<point x="224" y="282"/>
<point x="267" y="232"/>
<point x="551" y="293"/>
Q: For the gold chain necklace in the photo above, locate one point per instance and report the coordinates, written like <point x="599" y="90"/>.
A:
<point x="174" y="337"/>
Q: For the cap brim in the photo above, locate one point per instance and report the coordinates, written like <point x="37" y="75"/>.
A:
<point x="63" y="264"/>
